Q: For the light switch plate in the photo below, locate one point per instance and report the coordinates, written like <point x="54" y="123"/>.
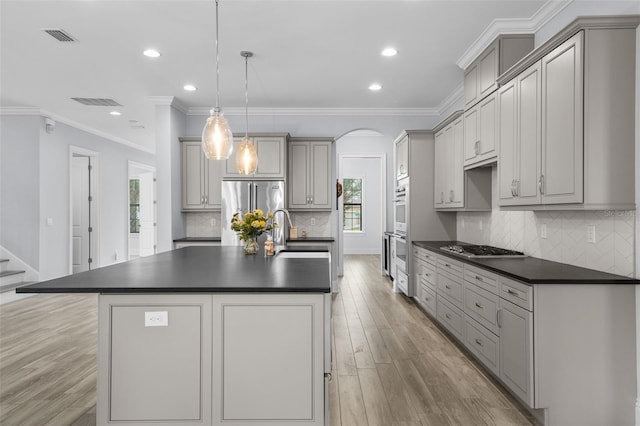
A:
<point x="156" y="319"/>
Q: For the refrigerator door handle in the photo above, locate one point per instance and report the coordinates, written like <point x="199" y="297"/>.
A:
<point x="255" y="196"/>
<point x="249" y="195"/>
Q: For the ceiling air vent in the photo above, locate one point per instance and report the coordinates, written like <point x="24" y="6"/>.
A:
<point x="96" y="101"/>
<point x="58" y="34"/>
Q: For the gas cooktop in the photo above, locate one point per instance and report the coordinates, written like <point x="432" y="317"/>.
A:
<point x="481" y="251"/>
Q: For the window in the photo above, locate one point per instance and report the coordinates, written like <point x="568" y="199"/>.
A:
<point x="134" y="206"/>
<point x="352" y="211"/>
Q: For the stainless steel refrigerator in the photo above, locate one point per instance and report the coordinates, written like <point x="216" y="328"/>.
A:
<point x="243" y="196"/>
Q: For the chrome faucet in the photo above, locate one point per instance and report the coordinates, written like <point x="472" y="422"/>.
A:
<point x="286" y="213"/>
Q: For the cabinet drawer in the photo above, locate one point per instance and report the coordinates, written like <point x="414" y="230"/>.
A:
<point x="450" y="317"/>
<point x="452" y="266"/>
<point x="482" y="278"/>
<point x="428" y="299"/>
<point x="517" y="293"/>
<point x="452" y="288"/>
<point x="482" y="306"/>
<point x="402" y="282"/>
<point x="483" y="344"/>
<point x="425" y="255"/>
<point x="425" y="273"/>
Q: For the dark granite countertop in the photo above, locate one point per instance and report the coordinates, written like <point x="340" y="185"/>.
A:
<point x="210" y="269"/>
<point x="311" y="240"/>
<point x="195" y="239"/>
<point x="532" y="270"/>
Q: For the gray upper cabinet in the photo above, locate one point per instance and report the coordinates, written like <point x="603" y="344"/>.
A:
<point x="309" y="171"/>
<point x="480" y="133"/>
<point x="566" y="120"/>
<point x="402" y="158"/>
<point x="519" y="139"/>
<point x="201" y="178"/>
<point x="480" y="77"/>
<point x="448" y="171"/>
<point x="271" y="157"/>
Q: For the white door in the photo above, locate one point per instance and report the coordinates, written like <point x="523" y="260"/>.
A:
<point x="147" y="214"/>
<point x="80" y="222"/>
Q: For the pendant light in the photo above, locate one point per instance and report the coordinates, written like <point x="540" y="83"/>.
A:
<point x="217" y="139"/>
<point x="247" y="156"/>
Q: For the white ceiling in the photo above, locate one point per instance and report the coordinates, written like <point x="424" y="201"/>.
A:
<point x="307" y="54"/>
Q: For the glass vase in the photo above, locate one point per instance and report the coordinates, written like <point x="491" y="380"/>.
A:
<point x="251" y="245"/>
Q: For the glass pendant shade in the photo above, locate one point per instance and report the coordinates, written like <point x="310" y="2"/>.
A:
<point x="217" y="139"/>
<point x="247" y="157"/>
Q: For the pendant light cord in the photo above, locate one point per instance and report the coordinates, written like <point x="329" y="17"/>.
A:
<point x="217" y="64"/>
<point x="246" y="94"/>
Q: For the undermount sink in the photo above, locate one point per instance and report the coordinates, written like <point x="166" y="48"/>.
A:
<point x="303" y="254"/>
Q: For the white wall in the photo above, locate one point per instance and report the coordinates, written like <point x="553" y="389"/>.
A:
<point x="19" y="183"/>
<point x="45" y="177"/>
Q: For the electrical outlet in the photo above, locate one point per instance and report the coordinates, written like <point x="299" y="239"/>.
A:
<point x="156" y="319"/>
<point x="543" y="230"/>
<point x="116" y="255"/>
<point x="480" y="225"/>
<point x="213" y="222"/>
<point x="313" y="221"/>
<point x="591" y="234"/>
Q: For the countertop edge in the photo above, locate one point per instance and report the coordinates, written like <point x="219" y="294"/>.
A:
<point x="428" y="245"/>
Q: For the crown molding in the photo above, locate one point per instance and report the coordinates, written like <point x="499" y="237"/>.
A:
<point x="303" y="111"/>
<point x="454" y="100"/>
<point x="20" y="111"/>
<point x="169" y="101"/>
<point x="32" y="111"/>
<point x="512" y="26"/>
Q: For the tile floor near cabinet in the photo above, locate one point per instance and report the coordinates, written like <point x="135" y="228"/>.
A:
<point x="392" y="365"/>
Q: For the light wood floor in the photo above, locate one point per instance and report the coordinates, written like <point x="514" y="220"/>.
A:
<point x="392" y="365"/>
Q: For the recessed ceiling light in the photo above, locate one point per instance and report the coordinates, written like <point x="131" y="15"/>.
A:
<point x="115" y="113"/>
<point x="151" y="53"/>
<point x="190" y="88"/>
<point x="375" y="87"/>
<point x="389" y="51"/>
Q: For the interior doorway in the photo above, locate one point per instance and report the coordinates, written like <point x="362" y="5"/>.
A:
<point x="83" y="217"/>
<point x="142" y="227"/>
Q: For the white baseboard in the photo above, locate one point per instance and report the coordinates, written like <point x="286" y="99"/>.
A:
<point x="16" y="263"/>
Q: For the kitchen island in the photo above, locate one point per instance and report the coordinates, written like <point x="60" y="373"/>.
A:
<point x="209" y="336"/>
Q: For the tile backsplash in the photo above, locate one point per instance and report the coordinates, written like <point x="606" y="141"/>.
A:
<point x="566" y="235"/>
<point x="207" y="224"/>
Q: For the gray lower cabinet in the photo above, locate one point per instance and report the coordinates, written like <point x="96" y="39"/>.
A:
<point x="564" y="350"/>
<point x="516" y="350"/>
<point x="223" y="359"/>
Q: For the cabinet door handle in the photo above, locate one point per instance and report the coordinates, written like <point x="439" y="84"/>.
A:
<point x="479" y="278"/>
<point x="447" y="316"/>
<point x="202" y="199"/>
<point x="541" y="184"/>
<point x="513" y="192"/>
<point x="441" y="197"/>
<point x="478" y="342"/>
<point x="206" y="200"/>
<point x="517" y="187"/>
<point x="476" y="147"/>
<point x="513" y="293"/>
<point x="451" y="195"/>
<point x="479" y="306"/>
<point x="499" y="318"/>
<point x="447" y="287"/>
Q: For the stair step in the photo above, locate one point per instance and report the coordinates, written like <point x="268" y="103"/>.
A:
<point x="10" y="287"/>
<point x="10" y="277"/>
